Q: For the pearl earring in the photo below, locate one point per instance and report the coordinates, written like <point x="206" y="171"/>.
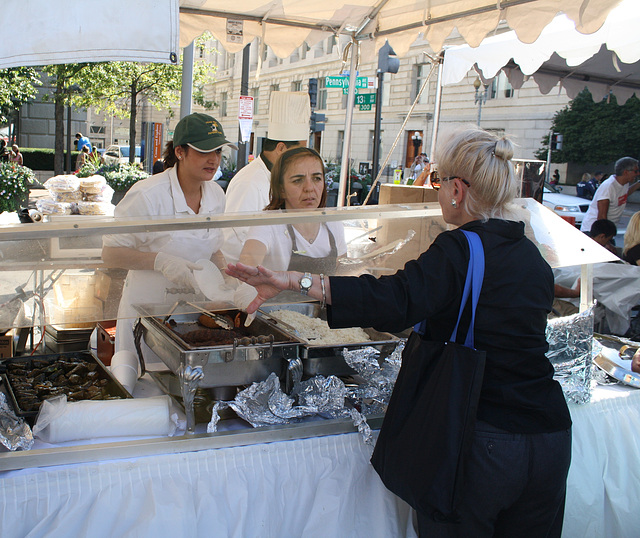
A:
<point x="454" y="203"/>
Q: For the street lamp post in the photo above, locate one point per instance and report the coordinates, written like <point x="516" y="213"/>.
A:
<point x="416" y="139"/>
<point x="74" y="88"/>
<point x="480" y="96"/>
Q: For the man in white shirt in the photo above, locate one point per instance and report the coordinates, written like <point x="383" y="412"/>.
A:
<point x="248" y="191"/>
<point x="611" y="197"/>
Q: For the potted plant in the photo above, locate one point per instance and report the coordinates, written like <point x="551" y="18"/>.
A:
<point x="14" y="186"/>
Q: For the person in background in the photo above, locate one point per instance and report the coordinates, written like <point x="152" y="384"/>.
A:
<point x="15" y="156"/>
<point x="161" y="264"/>
<point x="4" y="153"/>
<point x="82" y="141"/>
<point x="555" y="179"/>
<point x="631" y="249"/>
<point x="82" y="157"/>
<point x="158" y="167"/>
<point x="611" y="197"/>
<point x="248" y="191"/>
<point x="515" y="477"/>
<point x="602" y="232"/>
<point x="416" y="168"/>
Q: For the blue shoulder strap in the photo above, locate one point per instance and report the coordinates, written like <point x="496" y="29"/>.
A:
<point x="473" y="284"/>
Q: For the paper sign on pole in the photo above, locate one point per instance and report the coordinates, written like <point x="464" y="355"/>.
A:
<point x="245" y="116"/>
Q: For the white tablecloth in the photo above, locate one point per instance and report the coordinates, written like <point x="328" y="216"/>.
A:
<point x="603" y="488"/>
<point x="316" y="487"/>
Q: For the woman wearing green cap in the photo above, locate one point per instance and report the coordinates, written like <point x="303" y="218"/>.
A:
<point x="161" y="264"/>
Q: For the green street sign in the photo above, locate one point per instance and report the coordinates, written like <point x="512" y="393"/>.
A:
<point x="345" y="91"/>
<point x="343" y="82"/>
<point x="364" y="107"/>
<point x="366" y="99"/>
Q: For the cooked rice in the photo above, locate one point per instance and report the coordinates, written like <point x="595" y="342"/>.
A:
<point x="317" y="332"/>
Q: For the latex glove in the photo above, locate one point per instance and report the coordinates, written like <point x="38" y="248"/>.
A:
<point x="242" y="298"/>
<point x="176" y="269"/>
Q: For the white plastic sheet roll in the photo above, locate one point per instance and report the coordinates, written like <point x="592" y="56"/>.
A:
<point x="61" y="421"/>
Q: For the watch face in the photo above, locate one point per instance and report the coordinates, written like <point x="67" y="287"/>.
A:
<point x="305" y="282"/>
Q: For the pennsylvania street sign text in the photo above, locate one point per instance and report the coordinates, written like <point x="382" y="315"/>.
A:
<point x="343" y="82"/>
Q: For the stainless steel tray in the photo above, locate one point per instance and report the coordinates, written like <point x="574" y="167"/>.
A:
<point x="222" y="365"/>
<point x="322" y="359"/>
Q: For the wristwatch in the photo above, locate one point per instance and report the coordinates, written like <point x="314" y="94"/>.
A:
<point x="305" y="283"/>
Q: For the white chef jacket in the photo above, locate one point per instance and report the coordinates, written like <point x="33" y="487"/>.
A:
<point x="161" y="195"/>
<point x="248" y="192"/>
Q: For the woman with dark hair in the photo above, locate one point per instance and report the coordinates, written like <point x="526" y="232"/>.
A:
<point x="514" y="480"/>
<point x="158" y="262"/>
<point x="297" y="182"/>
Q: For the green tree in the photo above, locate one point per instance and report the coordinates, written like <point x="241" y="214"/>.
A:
<point x="118" y="88"/>
<point x="595" y="132"/>
<point x="62" y="78"/>
<point x="17" y="86"/>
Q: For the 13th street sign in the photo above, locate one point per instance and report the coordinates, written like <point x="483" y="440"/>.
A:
<point x="365" y="99"/>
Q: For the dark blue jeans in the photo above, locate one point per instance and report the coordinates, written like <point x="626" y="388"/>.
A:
<point x="515" y="485"/>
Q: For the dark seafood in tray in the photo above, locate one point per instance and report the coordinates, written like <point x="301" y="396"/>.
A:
<point x="34" y="380"/>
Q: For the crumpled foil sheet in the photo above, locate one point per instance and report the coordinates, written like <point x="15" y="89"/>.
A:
<point x="570" y="352"/>
<point x="15" y="433"/>
<point x="265" y="404"/>
<point x="372" y="396"/>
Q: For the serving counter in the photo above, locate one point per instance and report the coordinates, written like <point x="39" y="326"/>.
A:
<point x="311" y="478"/>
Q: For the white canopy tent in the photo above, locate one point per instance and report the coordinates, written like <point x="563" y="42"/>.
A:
<point x="605" y="61"/>
<point x="39" y="32"/>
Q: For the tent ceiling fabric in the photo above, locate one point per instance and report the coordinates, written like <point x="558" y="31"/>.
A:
<point x="42" y="32"/>
<point x="607" y="60"/>
<point x="286" y="24"/>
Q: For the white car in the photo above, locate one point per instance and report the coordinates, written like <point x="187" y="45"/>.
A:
<point x="120" y="154"/>
<point x="571" y="208"/>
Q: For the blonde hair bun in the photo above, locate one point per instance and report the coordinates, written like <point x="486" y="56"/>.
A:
<point x="504" y="149"/>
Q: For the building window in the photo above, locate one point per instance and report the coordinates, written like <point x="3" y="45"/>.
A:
<point x="96" y="129"/>
<point x="201" y="51"/>
<point x="230" y="60"/>
<point x="274" y="88"/>
<point x="370" y="148"/>
<point x="322" y="94"/>
<point x="304" y="50"/>
<point x="255" y="93"/>
<point x="500" y="87"/>
<point x="422" y="72"/>
<point x="223" y="104"/>
<point x="331" y="43"/>
<point x="340" y="143"/>
<point x="296" y="86"/>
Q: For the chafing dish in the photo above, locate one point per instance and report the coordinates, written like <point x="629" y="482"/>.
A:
<point x="322" y="359"/>
<point x="265" y="348"/>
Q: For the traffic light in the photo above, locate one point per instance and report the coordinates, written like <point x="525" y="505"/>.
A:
<point x="313" y="92"/>
<point x="317" y="122"/>
<point x="387" y="60"/>
<point x="556" y="141"/>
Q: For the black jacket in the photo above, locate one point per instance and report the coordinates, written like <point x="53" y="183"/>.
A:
<point x="518" y="393"/>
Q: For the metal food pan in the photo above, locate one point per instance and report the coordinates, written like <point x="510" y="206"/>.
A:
<point x="222" y="365"/>
<point x="113" y="388"/>
<point x="323" y="359"/>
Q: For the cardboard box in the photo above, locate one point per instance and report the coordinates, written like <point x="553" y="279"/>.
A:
<point x="106" y="334"/>
<point x="406" y="194"/>
<point x="6" y="346"/>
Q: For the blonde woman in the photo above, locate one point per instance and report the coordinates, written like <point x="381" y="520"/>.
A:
<point x="631" y="249"/>
<point x="515" y="477"/>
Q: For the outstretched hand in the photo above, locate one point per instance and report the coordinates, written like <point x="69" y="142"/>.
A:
<point x="267" y="283"/>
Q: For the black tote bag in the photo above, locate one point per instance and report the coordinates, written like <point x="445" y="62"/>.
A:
<point x="428" y="427"/>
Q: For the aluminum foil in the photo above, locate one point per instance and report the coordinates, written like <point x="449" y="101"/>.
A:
<point x="264" y="403"/>
<point x="15" y="433"/>
<point x="372" y="396"/>
<point x="570" y="352"/>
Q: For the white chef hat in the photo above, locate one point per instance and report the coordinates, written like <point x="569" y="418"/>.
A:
<point x="289" y="114"/>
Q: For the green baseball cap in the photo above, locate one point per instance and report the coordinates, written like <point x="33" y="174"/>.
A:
<point x="201" y="132"/>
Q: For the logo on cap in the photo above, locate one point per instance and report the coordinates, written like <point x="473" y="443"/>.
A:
<point x="214" y="127"/>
